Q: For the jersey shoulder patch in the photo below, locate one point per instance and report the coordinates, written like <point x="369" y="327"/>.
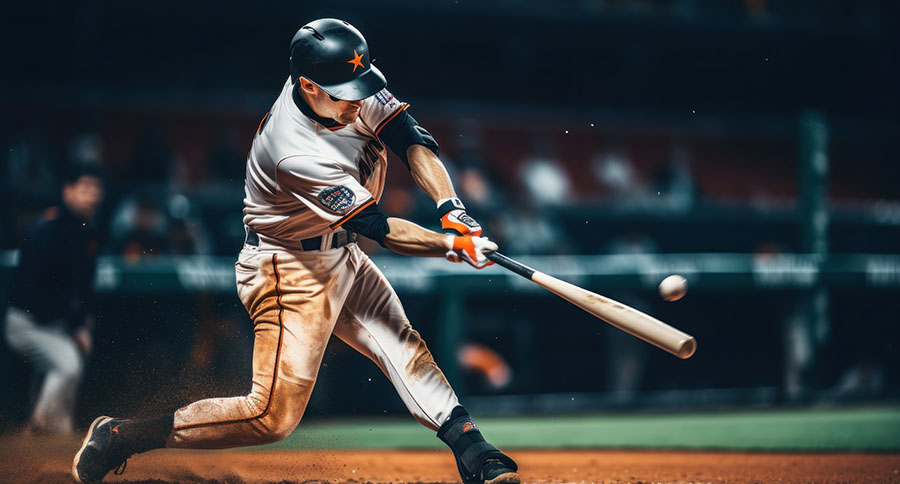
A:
<point x="338" y="198"/>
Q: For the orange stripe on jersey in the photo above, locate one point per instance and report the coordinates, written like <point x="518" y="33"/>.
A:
<point x="389" y="118"/>
<point x="351" y="214"/>
<point x="263" y="121"/>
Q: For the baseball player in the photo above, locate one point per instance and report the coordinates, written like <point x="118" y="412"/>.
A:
<point x="315" y="173"/>
<point x="54" y="333"/>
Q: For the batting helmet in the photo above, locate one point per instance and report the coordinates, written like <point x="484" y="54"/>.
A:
<point x="335" y="56"/>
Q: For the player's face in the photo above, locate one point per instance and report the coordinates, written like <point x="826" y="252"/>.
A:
<point x="344" y="112"/>
<point x="83" y="196"/>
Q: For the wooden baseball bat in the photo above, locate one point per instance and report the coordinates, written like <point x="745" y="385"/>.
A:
<point x="626" y="318"/>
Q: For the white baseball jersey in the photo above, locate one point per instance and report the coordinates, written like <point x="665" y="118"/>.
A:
<point x="304" y="179"/>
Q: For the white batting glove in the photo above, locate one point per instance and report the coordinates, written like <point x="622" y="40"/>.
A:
<point x="473" y="250"/>
<point x="455" y="220"/>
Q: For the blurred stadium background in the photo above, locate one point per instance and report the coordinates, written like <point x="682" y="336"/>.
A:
<point x="750" y="146"/>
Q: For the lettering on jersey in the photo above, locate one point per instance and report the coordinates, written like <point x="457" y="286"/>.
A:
<point x="384" y="96"/>
<point x="337" y="199"/>
<point x="368" y="158"/>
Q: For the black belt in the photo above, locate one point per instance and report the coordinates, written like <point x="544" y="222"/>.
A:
<point x="340" y="239"/>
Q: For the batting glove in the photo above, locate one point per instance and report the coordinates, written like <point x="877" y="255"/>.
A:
<point x="473" y="250"/>
<point x="455" y="220"/>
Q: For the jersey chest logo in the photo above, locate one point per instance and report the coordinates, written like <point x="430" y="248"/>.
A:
<point x="367" y="159"/>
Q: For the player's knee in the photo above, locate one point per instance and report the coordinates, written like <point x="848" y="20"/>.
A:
<point x="280" y="410"/>
<point x="278" y="425"/>
<point x="280" y="418"/>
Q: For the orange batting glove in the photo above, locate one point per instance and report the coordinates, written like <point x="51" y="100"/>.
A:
<point x="473" y="250"/>
<point x="455" y="220"/>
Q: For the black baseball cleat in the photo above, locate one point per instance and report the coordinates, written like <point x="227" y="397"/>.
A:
<point x="496" y="472"/>
<point x="97" y="456"/>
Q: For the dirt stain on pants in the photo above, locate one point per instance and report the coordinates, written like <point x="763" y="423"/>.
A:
<point x="297" y="300"/>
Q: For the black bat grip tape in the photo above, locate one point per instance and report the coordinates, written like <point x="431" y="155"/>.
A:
<point x="512" y="265"/>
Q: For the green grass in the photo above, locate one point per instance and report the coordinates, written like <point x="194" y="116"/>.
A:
<point x="870" y="429"/>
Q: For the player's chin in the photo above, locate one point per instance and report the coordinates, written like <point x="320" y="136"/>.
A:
<point x="348" y="117"/>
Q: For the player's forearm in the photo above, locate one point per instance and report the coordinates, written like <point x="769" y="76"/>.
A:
<point x="429" y="173"/>
<point x="407" y="238"/>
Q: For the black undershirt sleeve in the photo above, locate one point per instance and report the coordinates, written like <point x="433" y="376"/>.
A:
<point x="370" y="223"/>
<point x="404" y="131"/>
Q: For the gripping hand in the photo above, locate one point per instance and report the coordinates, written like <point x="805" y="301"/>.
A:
<point x="455" y="220"/>
<point x="472" y="249"/>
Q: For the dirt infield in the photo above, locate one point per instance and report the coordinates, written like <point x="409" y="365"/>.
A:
<point x="40" y="460"/>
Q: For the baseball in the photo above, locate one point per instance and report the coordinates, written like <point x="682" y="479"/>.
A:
<point x="673" y="288"/>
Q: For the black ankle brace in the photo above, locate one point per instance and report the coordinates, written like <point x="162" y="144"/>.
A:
<point x="469" y="446"/>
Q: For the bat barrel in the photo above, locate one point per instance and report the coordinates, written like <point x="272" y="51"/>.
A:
<point x="687" y="348"/>
<point x="641" y="325"/>
<point x="624" y="317"/>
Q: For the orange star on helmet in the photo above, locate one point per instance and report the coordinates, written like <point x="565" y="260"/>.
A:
<point x="356" y="60"/>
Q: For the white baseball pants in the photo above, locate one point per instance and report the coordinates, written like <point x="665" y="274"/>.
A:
<point x="53" y="353"/>
<point x="297" y="300"/>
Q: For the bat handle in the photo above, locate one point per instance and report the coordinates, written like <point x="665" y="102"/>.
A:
<point x="512" y="265"/>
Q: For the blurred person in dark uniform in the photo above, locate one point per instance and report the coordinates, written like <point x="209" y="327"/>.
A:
<point x="48" y="320"/>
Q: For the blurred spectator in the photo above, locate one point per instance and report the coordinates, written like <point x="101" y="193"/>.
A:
<point x="527" y="231"/>
<point x="526" y="228"/>
<point x="544" y="179"/>
<point x="49" y="318"/>
<point x="616" y="174"/>
<point x="673" y="183"/>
